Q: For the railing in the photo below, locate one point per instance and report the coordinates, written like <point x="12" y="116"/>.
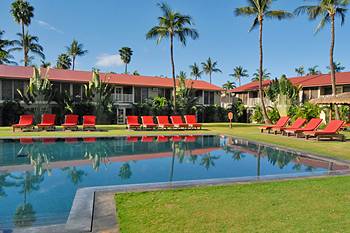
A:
<point x="123" y="98"/>
<point x="252" y="102"/>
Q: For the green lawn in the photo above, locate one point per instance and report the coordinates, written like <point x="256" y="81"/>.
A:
<point x="248" y="131"/>
<point x="309" y="205"/>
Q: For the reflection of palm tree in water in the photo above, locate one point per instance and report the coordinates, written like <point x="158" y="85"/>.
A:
<point x="125" y="171"/>
<point x="74" y="174"/>
<point x="237" y="155"/>
<point x="5" y="183"/>
<point x="98" y="153"/>
<point x="208" y="161"/>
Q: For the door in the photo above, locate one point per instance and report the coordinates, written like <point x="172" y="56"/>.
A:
<point x="121" y="116"/>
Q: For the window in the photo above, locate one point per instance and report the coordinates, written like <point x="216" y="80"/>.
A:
<point x="209" y="98"/>
<point x="314" y="93"/>
<point x="6" y="89"/>
<point x="327" y="91"/>
<point x="346" y="89"/>
<point x="65" y="87"/>
<point x="137" y="95"/>
<point x="144" y="94"/>
<point x="55" y="87"/>
<point x="206" y="98"/>
<point x="77" y="91"/>
<point x="253" y="94"/>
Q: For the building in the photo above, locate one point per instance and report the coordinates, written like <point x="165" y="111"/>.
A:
<point x="128" y="89"/>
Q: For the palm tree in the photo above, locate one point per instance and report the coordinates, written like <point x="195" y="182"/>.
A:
<point x="327" y="10"/>
<point x="23" y="13"/>
<point x="238" y="73"/>
<point x="63" y="61"/>
<point x="196" y="73"/>
<point x="172" y="25"/>
<point x="300" y="70"/>
<point x="45" y="64"/>
<point x="265" y="75"/>
<point x="209" y="67"/>
<point x="229" y="85"/>
<point x="5" y="51"/>
<point x="260" y="9"/>
<point x="338" y="67"/>
<point x="314" y="71"/>
<point x="125" y="54"/>
<point x="75" y="50"/>
<point x="29" y="44"/>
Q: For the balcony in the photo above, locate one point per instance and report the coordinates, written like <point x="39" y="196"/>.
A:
<point x="126" y="98"/>
<point x="252" y="102"/>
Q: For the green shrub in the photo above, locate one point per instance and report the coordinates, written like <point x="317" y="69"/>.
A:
<point x="306" y="110"/>
<point x="11" y="110"/>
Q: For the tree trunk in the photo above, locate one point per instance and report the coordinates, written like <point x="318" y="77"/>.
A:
<point x="239" y="81"/>
<point x="126" y="68"/>
<point x="261" y="94"/>
<point x="73" y="62"/>
<point x="334" y="85"/>
<point x="173" y="70"/>
<point x="210" y="77"/>
<point x="25" y="55"/>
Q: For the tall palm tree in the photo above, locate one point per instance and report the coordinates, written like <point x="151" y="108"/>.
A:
<point x="63" y="61"/>
<point x="209" y="67"/>
<point x="23" y="13"/>
<point x="172" y="25"/>
<point x="5" y="50"/>
<point x="314" y="71"/>
<point x="75" y="50"/>
<point x="300" y="70"/>
<point x="196" y="73"/>
<point x="229" y="85"/>
<point x="327" y="10"/>
<point x="238" y="73"/>
<point x="260" y="9"/>
<point x="125" y="54"/>
<point x="29" y="44"/>
<point x="265" y="75"/>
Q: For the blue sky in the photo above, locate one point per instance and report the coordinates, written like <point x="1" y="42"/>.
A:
<point x="107" y="25"/>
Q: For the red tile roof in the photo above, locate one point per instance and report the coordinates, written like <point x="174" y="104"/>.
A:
<point x="306" y="81"/>
<point x="21" y="72"/>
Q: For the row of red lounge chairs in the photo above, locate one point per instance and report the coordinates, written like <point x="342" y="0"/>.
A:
<point x="163" y="122"/>
<point x="302" y="128"/>
<point x="48" y="122"/>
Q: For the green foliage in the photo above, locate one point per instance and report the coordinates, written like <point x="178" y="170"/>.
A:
<point x="238" y="73"/>
<point x="185" y="97"/>
<point x="125" y="55"/>
<point x="344" y="112"/>
<point x="273" y="114"/>
<point x="307" y="111"/>
<point x="5" y="50"/>
<point x="238" y="110"/>
<point x="212" y="113"/>
<point x="196" y="73"/>
<point x="266" y="75"/>
<point x="11" y="110"/>
<point x="257" y="115"/>
<point x="74" y="50"/>
<point x="210" y="67"/>
<point x="63" y="61"/>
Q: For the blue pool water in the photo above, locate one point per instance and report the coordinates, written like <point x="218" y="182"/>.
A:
<point x="39" y="177"/>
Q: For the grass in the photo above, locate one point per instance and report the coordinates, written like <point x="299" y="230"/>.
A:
<point x="309" y="205"/>
<point x="249" y="131"/>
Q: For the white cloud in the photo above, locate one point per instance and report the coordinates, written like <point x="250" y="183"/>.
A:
<point x="108" y="60"/>
<point x="49" y="26"/>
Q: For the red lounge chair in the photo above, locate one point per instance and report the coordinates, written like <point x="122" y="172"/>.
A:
<point x="71" y="140"/>
<point x="162" y="139"/>
<point x="47" y="122"/>
<point x="192" y="121"/>
<point x="132" y="139"/>
<point x="163" y="122"/>
<point x="89" y="140"/>
<point x="25" y="141"/>
<point x="313" y="124"/>
<point x="176" y="138"/>
<point x="49" y="140"/>
<point x="147" y="139"/>
<point x="178" y="123"/>
<point x="331" y="131"/>
<point x="132" y="122"/>
<point x="89" y="122"/>
<point x="70" y="122"/>
<point x="25" y="122"/>
<point x="190" y="138"/>
<point x="148" y="123"/>
<point x="296" y="125"/>
<point x="282" y="122"/>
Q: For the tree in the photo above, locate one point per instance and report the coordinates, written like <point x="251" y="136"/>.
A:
<point x="300" y="70"/>
<point x="28" y="44"/>
<point x="5" y="50"/>
<point x="63" y="61"/>
<point x="186" y="99"/>
<point x="45" y="64"/>
<point x="265" y="75"/>
<point x="314" y="71"/>
<point x="229" y="85"/>
<point x="125" y="171"/>
<point x="338" y="67"/>
<point x="23" y="13"/>
<point x="196" y="73"/>
<point x="125" y="54"/>
<point x="136" y="73"/>
<point x="75" y="50"/>
<point x="172" y="25"/>
<point x="327" y="10"/>
<point x="260" y="9"/>
<point x="209" y="67"/>
<point x="238" y="73"/>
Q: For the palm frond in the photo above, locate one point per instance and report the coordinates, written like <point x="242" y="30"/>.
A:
<point x="279" y="14"/>
<point x="246" y="11"/>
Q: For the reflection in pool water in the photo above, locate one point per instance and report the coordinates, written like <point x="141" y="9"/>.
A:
<point x="39" y="178"/>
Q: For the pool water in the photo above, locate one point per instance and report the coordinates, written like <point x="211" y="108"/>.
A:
<point x="39" y="177"/>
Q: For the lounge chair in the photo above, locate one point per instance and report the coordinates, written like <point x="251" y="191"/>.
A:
<point x="148" y="123"/>
<point x="313" y="124"/>
<point x="190" y="138"/>
<point x="178" y="123"/>
<point x="192" y="122"/>
<point x="70" y="122"/>
<point x="89" y="140"/>
<point x="176" y="138"/>
<point x="132" y="122"/>
<point x="331" y="131"/>
<point x="163" y="122"/>
<point x="296" y="125"/>
<point x="25" y="141"/>
<point x="162" y="139"/>
<point x="282" y="122"/>
<point x="47" y="122"/>
<point x="89" y="122"/>
<point x="132" y="139"/>
<point x="147" y="139"/>
<point x="71" y="140"/>
<point x="49" y="140"/>
<point x="25" y="122"/>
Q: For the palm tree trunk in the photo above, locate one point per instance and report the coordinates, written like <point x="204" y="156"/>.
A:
<point x="334" y="86"/>
<point x="210" y="77"/>
<point x="261" y="94"/>
<point x="73" y="62"/>
<point x="126" y="68"/>
<point x="25" y="55"/>
<point x="239" y="81"/>
<point x="173" y="70"/>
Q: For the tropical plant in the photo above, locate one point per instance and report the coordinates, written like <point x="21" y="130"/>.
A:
<point x="75" y="50"/>
<point x="229" y="86"/>
<point x="238" y="73"/>
<point x="5" y="50"/>
<point x="196" y="73"/>
<point x="209" y="67"/>
<point x="172" y="25"/>
<point x="265" y="76"/>
<point x="45" y="64"/>
<point x="23" y="13"/>
<point x="306" y="111"/>
<point x="11" y="110"/>
<point x="29" y="45"/>
<point x="257" y="115"/>
<point x="314" y="71"/>
<point x="300" y="70"/>
<point x="5" y="183"/>
<point x="125" y="171"/>
<point x="261" y="9"/>
<point x="136" y="73"/>
<point x="238" y="109"/>
<point x="208" y="160"/>
<point x="63" y="61"/>
<point x="125" y="54"/>
<point x="327" y="11"/>
<point x="338" y="67"/>
<point x="186" y="99"/>
<point x="75" y="175"/>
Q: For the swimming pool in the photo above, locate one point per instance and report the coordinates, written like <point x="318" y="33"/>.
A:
<point x="39" y="177"/>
